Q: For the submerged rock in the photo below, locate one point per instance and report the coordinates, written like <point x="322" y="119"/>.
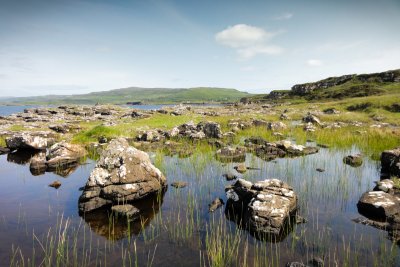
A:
<point x="4" y="150"/>
<point x="38" y="164"/>
<point x="215" y="204"/>
<point x="55" y="184"/>
<point x="230" y="176"/>
<point x="26" y="141"/>
<point x="353" y="160"/>
<point x="241" y="168"/>
<point x="179" y="184"/>
<point x="265" y="206"/>
<point x="123" y="173"/>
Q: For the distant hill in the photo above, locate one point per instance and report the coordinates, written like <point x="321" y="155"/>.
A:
<point x="137" y="94"/>
<point x="341" y="87"/>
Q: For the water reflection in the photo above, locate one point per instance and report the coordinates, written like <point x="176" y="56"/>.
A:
<point x="21" y="157"/>
<point x="104" y="223"/>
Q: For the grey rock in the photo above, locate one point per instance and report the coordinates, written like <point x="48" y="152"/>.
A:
<point x="26" y="141"/>
<point x="353" y="160"/>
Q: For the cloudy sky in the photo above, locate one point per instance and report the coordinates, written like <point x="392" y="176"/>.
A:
<point x="69" y="47"/>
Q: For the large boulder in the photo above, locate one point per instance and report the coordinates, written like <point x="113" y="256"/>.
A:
<point x="390" y="161"/>
<point x="63" y="155"/>
<point x="211" y="129"/>
<point x="123" y="173"/>
<point x="26" y="141"/>
<point x="265" y="206"/>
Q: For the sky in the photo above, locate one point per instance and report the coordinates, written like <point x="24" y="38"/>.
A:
<point x="74" y="47"/>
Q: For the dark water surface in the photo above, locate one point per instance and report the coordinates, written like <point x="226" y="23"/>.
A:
<point x="176" y="228"/>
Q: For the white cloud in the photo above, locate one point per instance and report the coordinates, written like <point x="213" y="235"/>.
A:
<point x="314" y="62"/>
<point x="248" y="41"/>
<point x="284" y="16"/>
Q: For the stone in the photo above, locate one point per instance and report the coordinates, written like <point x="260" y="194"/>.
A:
<point x="123" y="173"/>
<point x="390" y="162"/>
<point x="378" y="205"/>
<point x="265" y="206"/>
<point x="331" y="111"/>
<point x="230" y="154"/>
<point x="241" y="168"/>
<point x="311" y="118"/>
<point x="215" y="204"/>
<point x="320" y="170"/>
<point x="26" y="141"/>
<point x="211" y="129"/>
<point x="127" y="210"/>
<point x="63" y="155"/>
<point x="55" y="184"/>
<point x="276" y="126"/>
<point x="385" y="185"/>
<point x="179" y="184"/>
<point x="353" y="160"/>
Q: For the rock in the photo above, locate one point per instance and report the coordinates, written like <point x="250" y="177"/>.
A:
<point x="378" y="205"/>
<point x="102" y="140"/>
<point x="179" y="184"/>
<point x="299" y="219"/>
<point x="331" y="111"/>
<point x="259" y="123"/>
<point x="123" y="173"/>
<point x="230" y="154"/>
<point x="390" y="162"/>
<point x="63" y="155"/>
<point x="211" y="129"/>
<point x="26" y="141"/>
<point x="385" y="185"/>
<point x="197" y="136"/>
<point x="59" y="128"/>
<point x="55" y="184"/>
<point x="266" y="206"/>
<point x="276" y="126"/>
<point x="241" y="168"/>
<point x="230" y="176"/>
<point x="320" y="170"/>
<point x="312" y="118"/>
<point x="284" y="116"/>
<point x="127" y="210"/>
<point x="353" y="160"/>
<point x="38" y="164"/>
<point x="215" y="204"/>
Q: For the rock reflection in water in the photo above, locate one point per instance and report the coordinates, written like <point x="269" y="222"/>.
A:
<point x="21" y="157"/>
<point x="104" y="223"/>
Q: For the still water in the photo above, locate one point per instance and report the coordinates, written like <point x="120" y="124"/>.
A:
<point x="176" y="228"/>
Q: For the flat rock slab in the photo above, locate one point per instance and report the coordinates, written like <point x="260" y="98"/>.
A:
<point x="378" y="204"/>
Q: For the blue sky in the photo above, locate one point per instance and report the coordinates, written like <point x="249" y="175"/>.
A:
<point x="70" y="47"/>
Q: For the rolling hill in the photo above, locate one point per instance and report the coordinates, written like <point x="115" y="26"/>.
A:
<point x="137" y="94"/>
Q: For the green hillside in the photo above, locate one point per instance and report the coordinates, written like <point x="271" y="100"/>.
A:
<point x="136" y="94"/>
<point x="337" y="88"/>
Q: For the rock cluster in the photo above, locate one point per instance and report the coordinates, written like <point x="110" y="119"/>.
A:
<point x="265" y="206"/>
<point x="123" y="173"/>
<point x="269" y="151"/>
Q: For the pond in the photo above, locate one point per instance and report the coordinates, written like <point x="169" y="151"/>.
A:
<point x="176" y="228"/>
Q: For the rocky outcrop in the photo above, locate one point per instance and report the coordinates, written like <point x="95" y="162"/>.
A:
<point x="390" y="162"/>
<point x="123" y="173"/>
<point x="264" y="207"/>
<point x="306" y="88"/>
<point x="269" y="151"/>
<point x="26" y="141"/>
